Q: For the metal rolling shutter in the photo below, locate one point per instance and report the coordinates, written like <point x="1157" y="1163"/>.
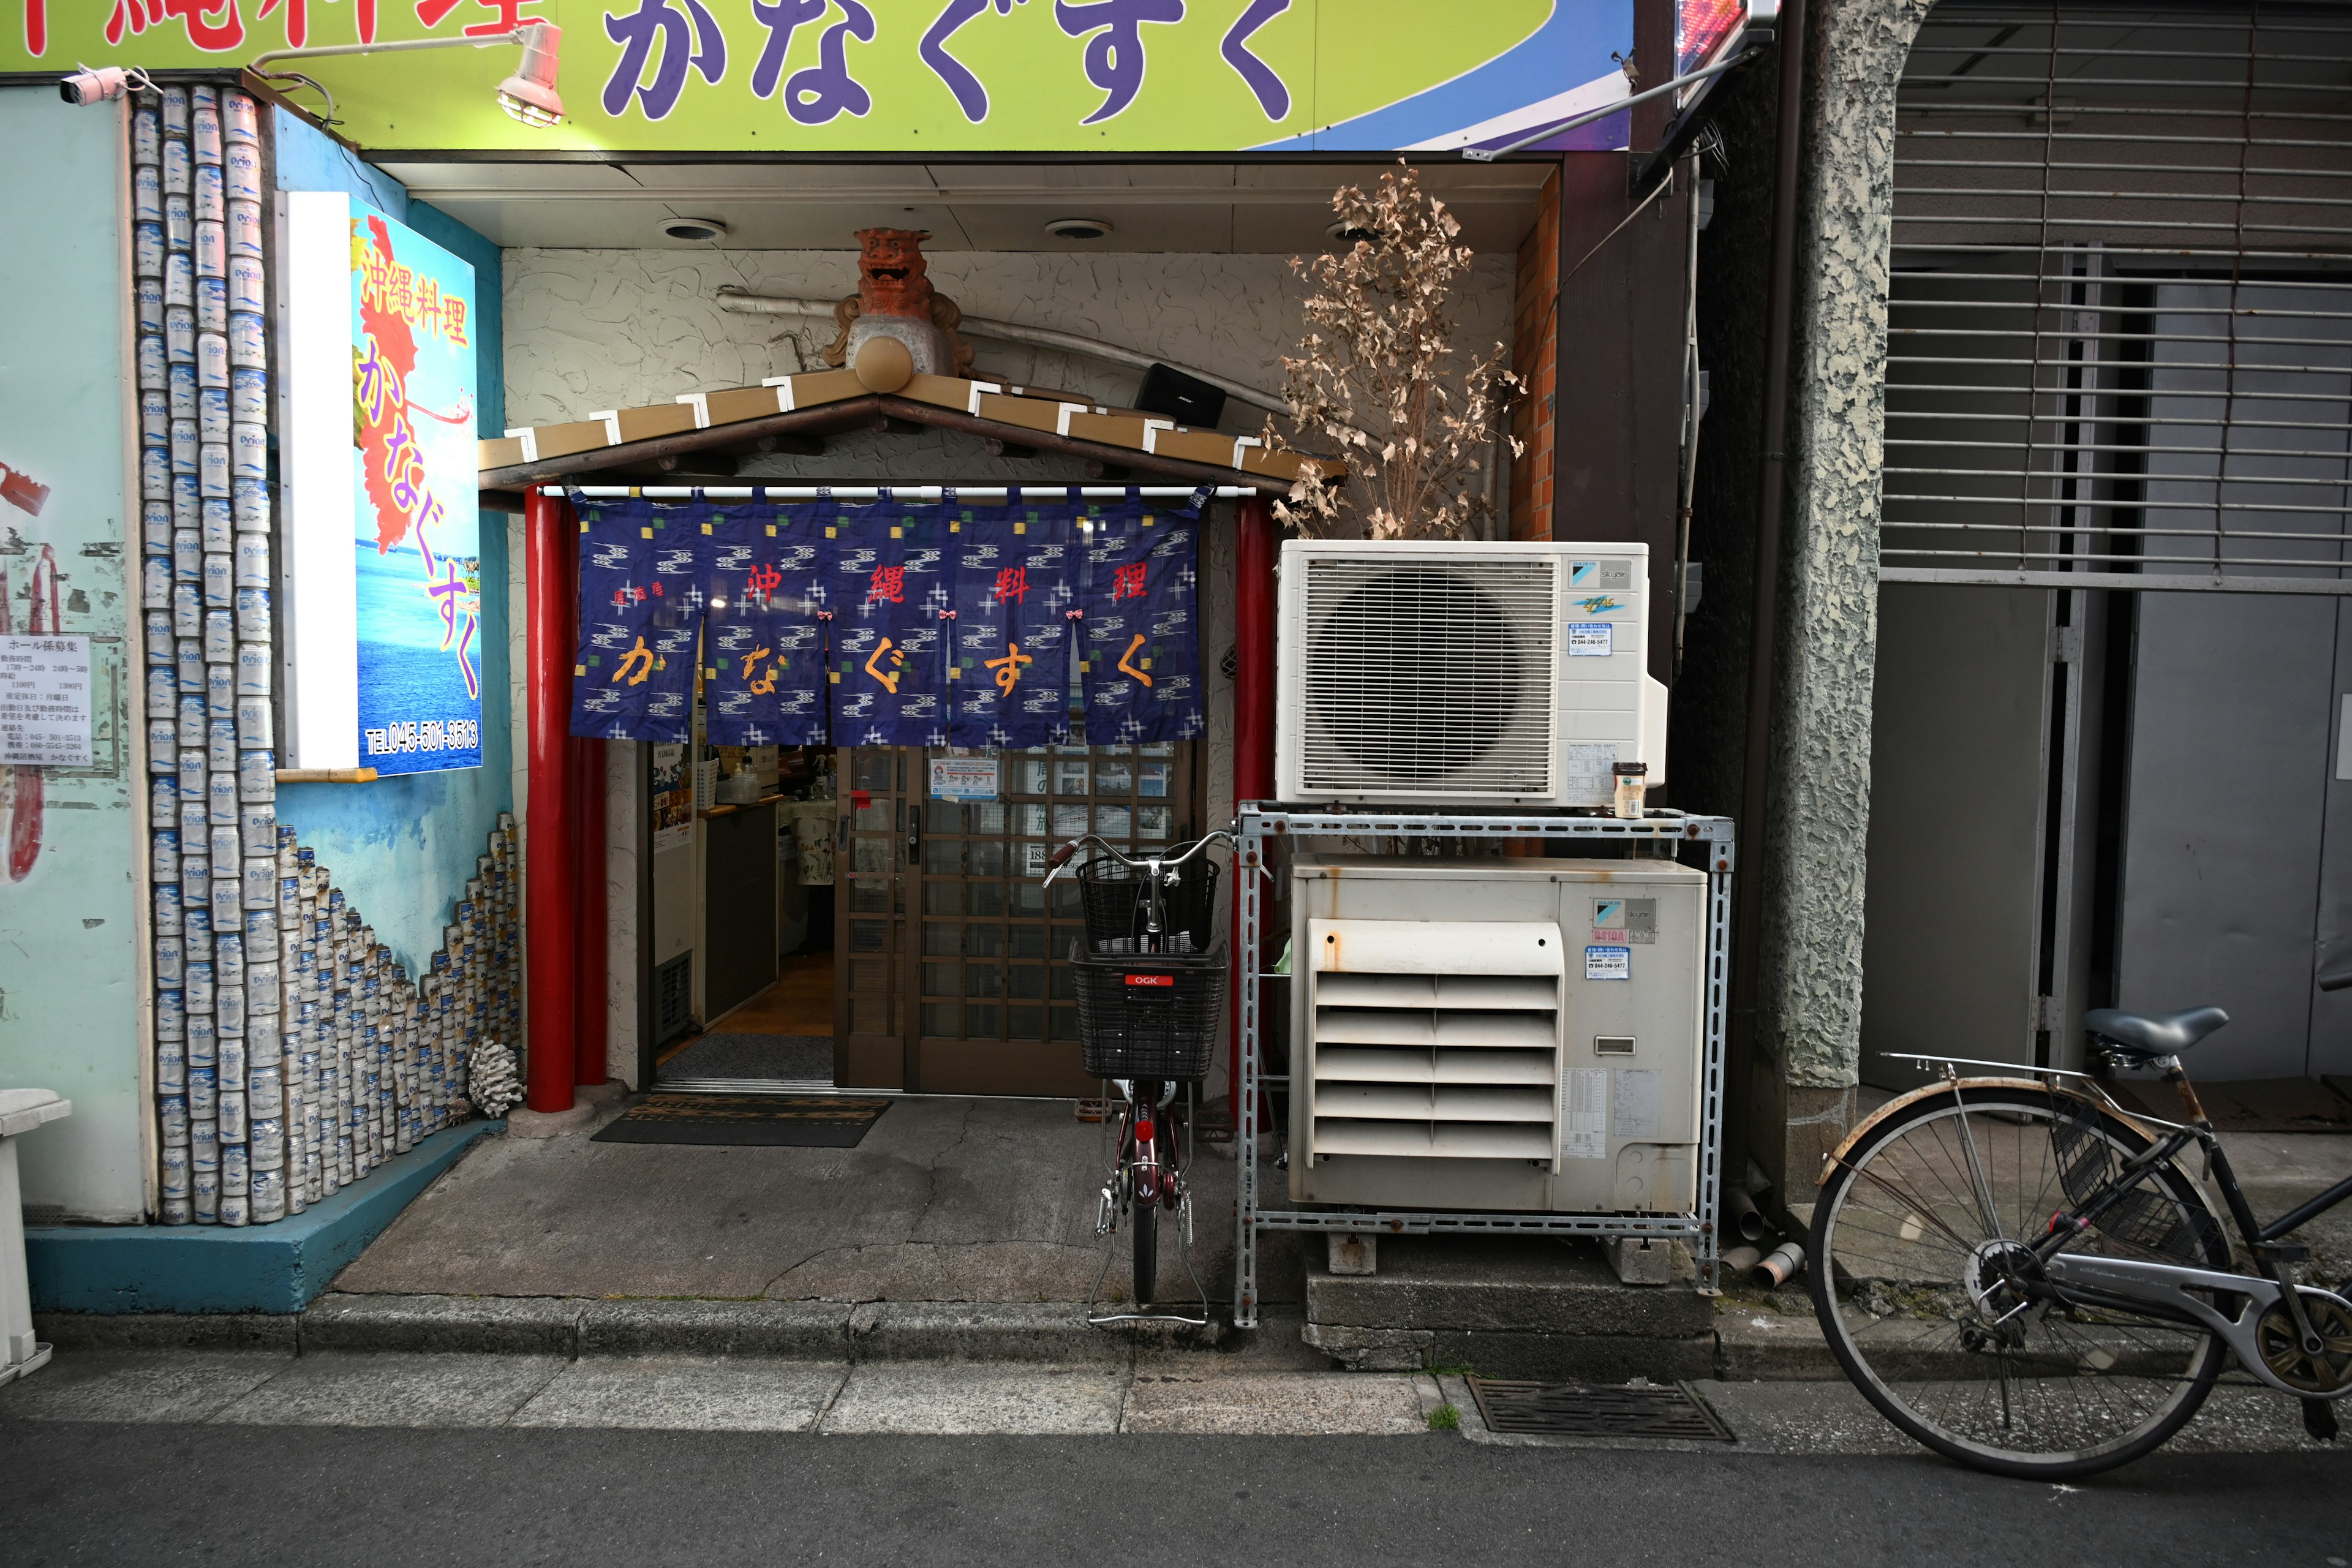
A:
<point x="2120" y="323"/>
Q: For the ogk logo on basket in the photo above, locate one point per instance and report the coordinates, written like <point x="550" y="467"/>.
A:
<point x="1151" y="980"/>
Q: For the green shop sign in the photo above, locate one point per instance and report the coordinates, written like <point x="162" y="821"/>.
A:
<point x="902" y="75"/>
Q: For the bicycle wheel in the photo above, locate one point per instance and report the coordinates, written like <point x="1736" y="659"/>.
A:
<point x="1913" y="1234"/>
<point x="1147" y="1252"/>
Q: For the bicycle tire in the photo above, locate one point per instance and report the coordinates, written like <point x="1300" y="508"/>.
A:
<point x="1147" y="1253"/>
<point x="2054" y="1393"/>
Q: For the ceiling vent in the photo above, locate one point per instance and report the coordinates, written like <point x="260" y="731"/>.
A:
<point x="694" y="230"/>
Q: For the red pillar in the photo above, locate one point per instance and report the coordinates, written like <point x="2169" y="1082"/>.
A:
<point x="588" y="887"/>
<point x="1254" y="586"/>
<point x="549" y="855"/>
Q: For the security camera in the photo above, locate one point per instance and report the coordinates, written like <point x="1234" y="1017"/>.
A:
<point x="103" y="85"/>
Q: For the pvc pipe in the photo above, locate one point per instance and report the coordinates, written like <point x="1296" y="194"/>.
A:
<point x="548" y="859"/>
<point x="1741" y="1261"/>
<point x="326" y="775"/>
<point x="874" y="492"/>
<point x="1741" y="1214"/>
<point x="1781" y="1265"/>
<point x="1253" y="612"/>
<point x="1016" y="333"/>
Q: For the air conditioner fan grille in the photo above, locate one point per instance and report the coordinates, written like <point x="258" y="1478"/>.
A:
<point x="1428" y="678"/>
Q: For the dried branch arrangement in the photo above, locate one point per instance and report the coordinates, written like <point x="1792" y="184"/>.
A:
<point x="1371" y="379"/>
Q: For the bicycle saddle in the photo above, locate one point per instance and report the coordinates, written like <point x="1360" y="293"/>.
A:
<point x="2159" y="1034"/>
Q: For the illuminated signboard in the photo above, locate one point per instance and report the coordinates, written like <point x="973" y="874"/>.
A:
<point x="901" y="76"/>
<point x="382" y="564"/>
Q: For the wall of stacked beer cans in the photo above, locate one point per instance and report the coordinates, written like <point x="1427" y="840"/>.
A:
<point x="293" y="1052"/>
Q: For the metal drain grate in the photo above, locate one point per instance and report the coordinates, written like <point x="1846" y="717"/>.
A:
<point x="1578" y="1410"/>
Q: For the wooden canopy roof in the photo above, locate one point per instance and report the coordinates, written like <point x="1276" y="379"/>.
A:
<point x="785" y="412"/>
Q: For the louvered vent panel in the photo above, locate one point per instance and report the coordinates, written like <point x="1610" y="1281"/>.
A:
<point x="1425" y="1045"/>
<point x="1429" y="676"/>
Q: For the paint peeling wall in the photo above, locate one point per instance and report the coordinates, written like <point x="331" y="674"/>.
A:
<point x="1813" y="866"/>
<point x="73" y="944"/>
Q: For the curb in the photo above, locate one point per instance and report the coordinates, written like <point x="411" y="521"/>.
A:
<point x="1785" y="1348"/>
<point x="571" y="1327"/>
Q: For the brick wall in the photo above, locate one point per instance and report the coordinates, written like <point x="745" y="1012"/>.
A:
<point x="1534" y="349"/>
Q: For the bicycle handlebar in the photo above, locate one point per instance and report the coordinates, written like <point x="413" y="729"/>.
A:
<point x="1060" y="858"/>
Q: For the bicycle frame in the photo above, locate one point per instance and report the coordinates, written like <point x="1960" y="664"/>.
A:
<point x="1145" y="1177"/>
<point x="2165" y="1291"/>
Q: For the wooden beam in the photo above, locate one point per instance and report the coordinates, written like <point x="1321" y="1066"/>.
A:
<point x="1046" y="441"/>
<point x="822" y="419"/>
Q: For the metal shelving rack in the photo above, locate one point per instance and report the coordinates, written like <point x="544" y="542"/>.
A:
<point x="1262" y="825"/>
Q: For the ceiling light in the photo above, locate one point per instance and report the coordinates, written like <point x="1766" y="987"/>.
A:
<point x="530" y="94"/>
<point x="693" y="229"/>
<point x="1079" y="228"/>
<point x="1351" y="233"/>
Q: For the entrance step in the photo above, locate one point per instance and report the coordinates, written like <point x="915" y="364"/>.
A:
<point x="1513" y="1308"/>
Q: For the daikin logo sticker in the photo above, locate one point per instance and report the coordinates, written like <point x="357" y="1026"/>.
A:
<point x="1584" y="574"/>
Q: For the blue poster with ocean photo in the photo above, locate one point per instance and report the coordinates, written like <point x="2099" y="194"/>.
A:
<point x="418" y="540"/>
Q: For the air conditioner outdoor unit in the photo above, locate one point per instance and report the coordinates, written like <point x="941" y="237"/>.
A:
<point x="1462" y="673"/>
<point x="1493" y="1034"/>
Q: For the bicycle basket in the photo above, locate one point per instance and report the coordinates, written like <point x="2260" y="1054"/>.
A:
<point x="2147" y="1217"/>
<point x="1118" y="905"/>
<point x="1147" y="1016"/>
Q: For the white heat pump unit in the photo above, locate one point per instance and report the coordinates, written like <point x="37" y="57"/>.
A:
<point x="1496" y="1034"/>
<point x="1460" y="673"/>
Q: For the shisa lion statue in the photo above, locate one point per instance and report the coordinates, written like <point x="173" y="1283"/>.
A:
<point x="896" y="326"/>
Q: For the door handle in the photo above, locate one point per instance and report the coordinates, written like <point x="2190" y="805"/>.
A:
<point x="914" y="838"/>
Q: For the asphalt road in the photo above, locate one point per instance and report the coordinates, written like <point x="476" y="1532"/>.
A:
<point x="89" y="1493"/>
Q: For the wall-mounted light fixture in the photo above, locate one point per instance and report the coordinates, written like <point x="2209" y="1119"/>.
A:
<point x="528" y="95"/>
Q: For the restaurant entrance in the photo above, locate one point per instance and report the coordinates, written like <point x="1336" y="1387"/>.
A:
<point x="951" y="968"/>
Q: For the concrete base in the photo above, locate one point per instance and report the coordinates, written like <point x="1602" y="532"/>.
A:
<point x="1353" y="1252"/>
<point x="1639" y="1260"/>
<point x="524" y="1123"/>
<point x="610" y="1092"/>
<point x="1510" y="1307"/>
<point x="276" y="1267"/>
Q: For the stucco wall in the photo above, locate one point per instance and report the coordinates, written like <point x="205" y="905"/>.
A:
<point x="1812" y="998"/>
<point x="590" y="330"/>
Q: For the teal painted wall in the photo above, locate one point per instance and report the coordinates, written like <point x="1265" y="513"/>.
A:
<point x="72" y="983"/>
<point x="402" y="849"/>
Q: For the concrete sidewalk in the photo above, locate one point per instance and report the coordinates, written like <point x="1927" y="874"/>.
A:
<point x="1152" y="1392"/>
<point x="948" y="1200"/>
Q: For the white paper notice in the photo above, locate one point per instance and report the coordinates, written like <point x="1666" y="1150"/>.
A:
<point x="1591" y="771"/>
<point x="963" y="778"/>
<point x="1584" y="1126"/>
<point x="1609" y="963"/>
<point x="1589" y="640"/>
<point x="44" y="701"/>
<point x="1636" y="1103"/>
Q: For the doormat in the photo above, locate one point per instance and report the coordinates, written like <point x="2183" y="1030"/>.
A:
<point x="1581" y="1410"/>
<point x="2260" y="1105"/>
<point x="796" y="1058"/>
<point x="747" y="1120"/>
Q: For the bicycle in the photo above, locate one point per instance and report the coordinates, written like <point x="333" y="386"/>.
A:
<point x="1149" y="1005"/>
<point x="2020" y="1274"/>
